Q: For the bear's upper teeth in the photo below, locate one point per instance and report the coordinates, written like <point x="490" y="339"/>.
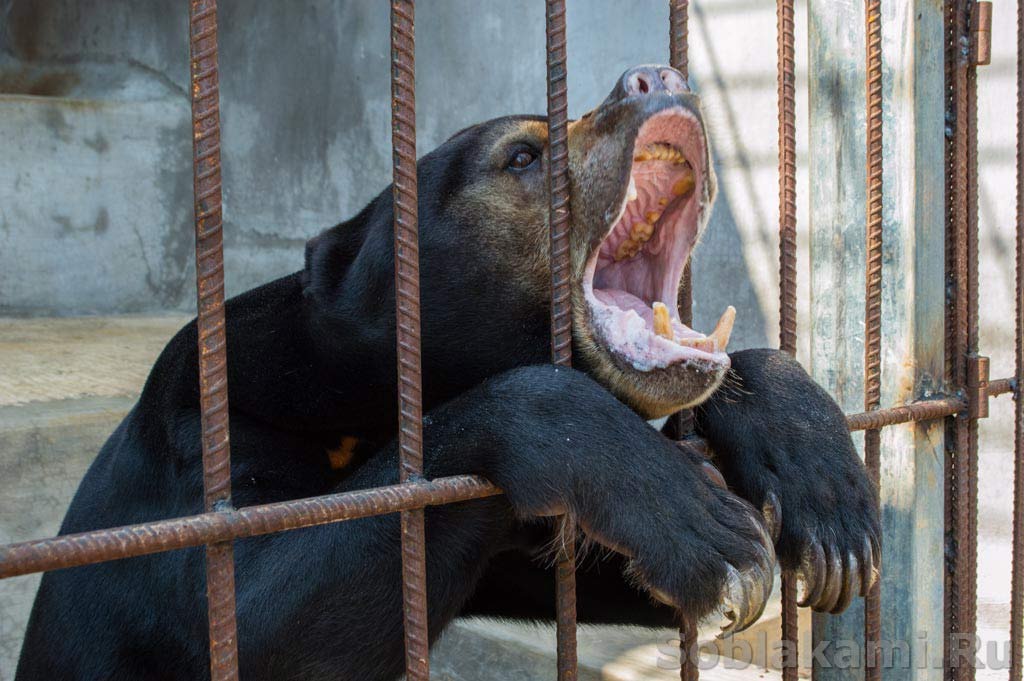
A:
<point x="660" y="152"/>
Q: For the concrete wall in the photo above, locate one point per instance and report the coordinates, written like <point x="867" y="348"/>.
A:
<point x="95" y="185"/>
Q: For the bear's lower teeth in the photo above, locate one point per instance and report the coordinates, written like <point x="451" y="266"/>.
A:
<point x="662" y="325"/>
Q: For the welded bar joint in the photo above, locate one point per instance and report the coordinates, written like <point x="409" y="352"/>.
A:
<point x="977" y="386"/>
<point x="981" y="33"/>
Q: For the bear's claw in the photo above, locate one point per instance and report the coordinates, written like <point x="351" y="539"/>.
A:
<point x="831" y="580"/>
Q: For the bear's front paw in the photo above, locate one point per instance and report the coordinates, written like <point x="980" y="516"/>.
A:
<point x="821" y="509"/>
<point x="828" y="535"/>
<point x="697" y="548"/>
<point x="782" y="444"/>
<point x="728" y="565"/>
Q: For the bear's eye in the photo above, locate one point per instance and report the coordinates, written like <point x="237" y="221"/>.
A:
<point x="522" y="159"/>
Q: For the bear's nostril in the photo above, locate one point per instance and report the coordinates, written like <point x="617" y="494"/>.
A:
<point x="638" y="84"/>
<point x="673" y="81"/>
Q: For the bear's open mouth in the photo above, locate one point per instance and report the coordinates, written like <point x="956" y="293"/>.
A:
<point x="632" y="279"/>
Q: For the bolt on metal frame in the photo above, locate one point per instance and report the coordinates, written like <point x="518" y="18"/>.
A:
<point x="967" y="25"/>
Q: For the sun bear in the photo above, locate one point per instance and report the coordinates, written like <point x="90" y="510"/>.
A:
<point x="312" y="381"/>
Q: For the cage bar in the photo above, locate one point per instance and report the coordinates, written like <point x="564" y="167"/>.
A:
<point x="873" y="303"/>
<point x="787" y="273"/>
<point x="98" y="546"/>
<point x="679" y="59"/>
<point x="1017" y="575"/>
<point x="561" y="307"/>
<point x="407" y="326"/>
<point x="210" y="326"/>
<point x="961" y="339"/>
<point x="678" y="49"/>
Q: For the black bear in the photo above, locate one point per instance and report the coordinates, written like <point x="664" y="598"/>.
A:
<point x="311" y="363"/>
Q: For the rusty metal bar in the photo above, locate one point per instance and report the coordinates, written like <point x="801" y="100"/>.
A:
<point x="787" y="175"/>
<point x="785" y="37"/>
<point x="212" y="343"/>
<point x="407" y="322"/>
<point x="961" y="341"/>
<point x="558" y="178"/>
<point x="925" y="410"/>
<point x="1001" y="386"/>
<point x="873" y="302"/>
<point x="72" y="550"/>
<point x="679" y="37"/>
<point x="561" y="305"/>
<point x="1017" y="574"/>
<point x="679" y="59"/>
<point x="135" y="540"/>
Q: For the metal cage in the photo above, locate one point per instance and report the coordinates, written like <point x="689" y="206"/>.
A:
<point x="968" y="387"/>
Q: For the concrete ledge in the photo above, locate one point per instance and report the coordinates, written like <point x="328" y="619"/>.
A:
<point x="492" y="650"/>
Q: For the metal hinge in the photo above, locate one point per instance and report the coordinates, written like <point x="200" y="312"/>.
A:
<point x="981" y="33"/>
<point x="977" y="386"/>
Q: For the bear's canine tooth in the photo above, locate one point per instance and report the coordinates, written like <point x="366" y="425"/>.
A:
<point x="631" y="194"/>
<point x="662" y="325"/>
<point x="723" y="329"/>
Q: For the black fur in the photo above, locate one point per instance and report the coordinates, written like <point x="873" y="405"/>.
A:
<point x="311" y="359"/>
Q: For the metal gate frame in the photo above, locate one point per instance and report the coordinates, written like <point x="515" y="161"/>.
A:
<point x="967" y="385"/>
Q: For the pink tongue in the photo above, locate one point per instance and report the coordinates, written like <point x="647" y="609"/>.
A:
<point x="625" y="301"/>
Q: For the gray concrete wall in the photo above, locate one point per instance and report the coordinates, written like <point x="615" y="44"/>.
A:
<point x="95" y="185"/>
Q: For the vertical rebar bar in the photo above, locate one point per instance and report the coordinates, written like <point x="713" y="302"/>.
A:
<point x="679" y="59"/>
<point x="212" y="344"/>
<point x="561" y="304"/>
<point x="407" y="320"/>
<point x="961" y="337"/>
<point x="785" y="36"/>
<point x="873" y="300"/>
<point x="1017" y="578"/>
<point x="787" y="176"/>
<point x="679" y="36"/>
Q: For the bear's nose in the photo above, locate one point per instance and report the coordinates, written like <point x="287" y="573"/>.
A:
<point x="649" y="79"/>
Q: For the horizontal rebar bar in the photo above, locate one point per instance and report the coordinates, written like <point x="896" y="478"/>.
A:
<point x="98" y="546"/>
<point x="135" y="540"/>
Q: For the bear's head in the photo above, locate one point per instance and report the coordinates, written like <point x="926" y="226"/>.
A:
<point x="641" y="192"/>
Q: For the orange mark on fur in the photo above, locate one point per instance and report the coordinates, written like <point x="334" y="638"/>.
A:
<point x="341" y="455"/>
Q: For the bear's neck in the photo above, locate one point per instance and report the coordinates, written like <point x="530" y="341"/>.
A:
<point x="294" y="368"/>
